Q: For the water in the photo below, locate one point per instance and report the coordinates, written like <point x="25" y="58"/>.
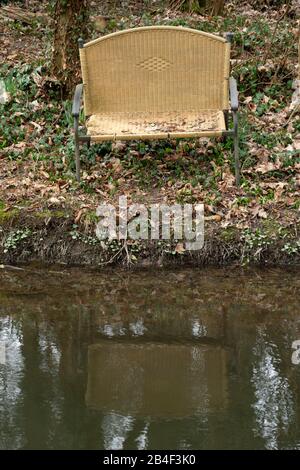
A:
<point x="186" y="359"/>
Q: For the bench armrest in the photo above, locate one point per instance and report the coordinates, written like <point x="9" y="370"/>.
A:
<point x="234" y="96"/>
<point x="77" y="100"/>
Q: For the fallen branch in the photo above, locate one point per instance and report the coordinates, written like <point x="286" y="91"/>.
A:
<point x="19" y="14"/>
<point x="17" y="268"/>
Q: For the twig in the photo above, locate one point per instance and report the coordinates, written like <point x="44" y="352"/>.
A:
<point x="17" y="268"/>
<point x="274" y="35"/>
<point x="294" y="111"/>
<point x="280" y="65"/>
<point x="113" y="257"/>
<point x="8" y="266"/>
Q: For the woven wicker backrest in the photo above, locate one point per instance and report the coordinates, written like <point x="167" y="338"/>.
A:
<point x="155" y="69"/>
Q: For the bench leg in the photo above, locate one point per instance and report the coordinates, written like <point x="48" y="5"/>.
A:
<point x="77" y="152"/>
<point x="236" y="148"/>
<point x="226" y="119"/>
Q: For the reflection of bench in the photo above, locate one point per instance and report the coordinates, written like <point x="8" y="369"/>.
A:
<point x="156" y="379"/>
<point x="155" y="83"/>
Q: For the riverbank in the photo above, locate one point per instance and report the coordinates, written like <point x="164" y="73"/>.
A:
<point x="46" y="216"/>
<point x="52" y="236"/>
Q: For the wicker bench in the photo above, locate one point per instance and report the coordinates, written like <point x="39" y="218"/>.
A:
<point x="156" y="82"/>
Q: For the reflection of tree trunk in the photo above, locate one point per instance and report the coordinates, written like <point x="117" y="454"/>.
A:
<point x="73" y="347"/>
<point x="69" y="346"/>
<point x="35" y="388"/>
<point x="71" y="18"/>
<point x="72" y="371"/>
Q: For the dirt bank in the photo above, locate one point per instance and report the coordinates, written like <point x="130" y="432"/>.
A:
<point x="52" y="236"/>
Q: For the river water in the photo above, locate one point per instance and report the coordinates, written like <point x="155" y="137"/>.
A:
<point x="181" y="359"/>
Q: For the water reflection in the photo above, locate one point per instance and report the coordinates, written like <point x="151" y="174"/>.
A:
<point x="141" y="360"/>
<point x="274" y="401"/>
<point x="156" y="380"/>
<point x="115" y="430"/>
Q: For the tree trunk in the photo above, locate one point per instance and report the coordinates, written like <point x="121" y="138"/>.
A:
<point x="71" y="19"/>
<point x="217" y="7"/>
<point x="299" y="56"/>
<point x="192" y="6"/>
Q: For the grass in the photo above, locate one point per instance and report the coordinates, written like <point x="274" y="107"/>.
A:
<point x="6" y="216"/>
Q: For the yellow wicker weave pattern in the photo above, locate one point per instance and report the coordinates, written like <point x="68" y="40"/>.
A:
<point x="125" y="126"/>
<point x="155" y="69"/>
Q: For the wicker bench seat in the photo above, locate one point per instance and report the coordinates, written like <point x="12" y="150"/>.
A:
<point x="126" y="126"/>
<point x="156" y="82"/>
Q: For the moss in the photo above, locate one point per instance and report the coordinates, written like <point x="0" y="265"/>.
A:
<point x="48" y="213"/>
<point x="91" y="216"/>
<point x="229" y="234"/>
<point x="271" y="226"/>
<point x="5" y="216"/>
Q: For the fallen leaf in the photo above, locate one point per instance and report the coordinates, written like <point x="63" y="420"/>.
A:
<point x="179" y="248"/>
